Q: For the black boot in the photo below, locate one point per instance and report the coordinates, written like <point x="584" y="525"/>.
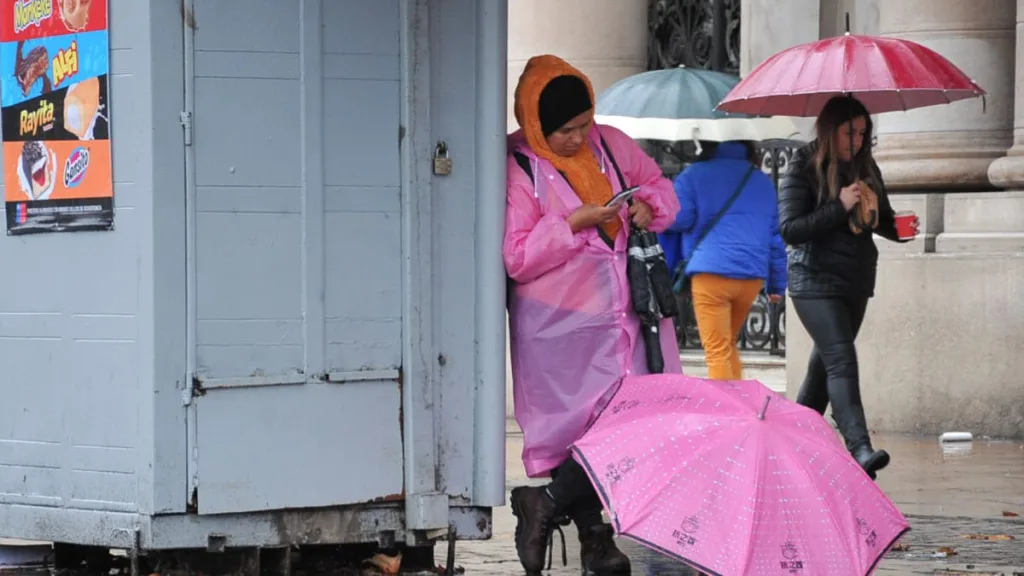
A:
<point x="849" y="416"/>
<point x="599" y="555"/>
<point x="870" y="460"/>
<point x="535" y="512"/>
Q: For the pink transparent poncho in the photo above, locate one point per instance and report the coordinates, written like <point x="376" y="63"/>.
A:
<point x="574" y="335"/>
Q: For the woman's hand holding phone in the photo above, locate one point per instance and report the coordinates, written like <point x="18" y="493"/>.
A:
<point x="590" y="215"/>
<point x="622" y="197"/>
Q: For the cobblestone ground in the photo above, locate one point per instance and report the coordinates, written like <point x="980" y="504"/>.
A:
<point x="928" y="535"/>
<point x="946" y="494"/>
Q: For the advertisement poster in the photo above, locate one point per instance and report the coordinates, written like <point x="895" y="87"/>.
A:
<point x="54" y="61"/>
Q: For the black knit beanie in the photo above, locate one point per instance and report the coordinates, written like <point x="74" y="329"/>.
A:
<point x="563" y="99"/>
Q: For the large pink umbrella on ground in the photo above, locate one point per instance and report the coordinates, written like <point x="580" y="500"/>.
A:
<point x="733" y="479"/>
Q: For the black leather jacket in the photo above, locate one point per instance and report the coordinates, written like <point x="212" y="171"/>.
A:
<point x="825" y="257"/>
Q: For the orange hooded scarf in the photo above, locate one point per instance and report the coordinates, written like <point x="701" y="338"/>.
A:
<point x="582" y="169"/>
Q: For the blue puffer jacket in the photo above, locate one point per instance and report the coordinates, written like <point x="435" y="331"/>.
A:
<point x="745" y="243"/>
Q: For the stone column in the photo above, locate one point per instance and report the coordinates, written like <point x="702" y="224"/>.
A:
<point x="951" y="147"/>
<point x="863" y="17"/>
<point x="994" y="221"/>
<point x="1008" y="172"/>
<point x="605" y="39"/>
<point x="770" y="26"/>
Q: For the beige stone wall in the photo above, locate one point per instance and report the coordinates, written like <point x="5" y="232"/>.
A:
<point x="940" y="349"/>
<point x="605" y="39"/>
<point x="941" y="346"/>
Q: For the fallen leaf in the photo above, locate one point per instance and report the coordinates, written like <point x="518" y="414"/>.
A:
<point x="990" y="537"/>
<point x="387" y="565"/>
<point x="901" y="546"/>
<point x="1010" y="514"/>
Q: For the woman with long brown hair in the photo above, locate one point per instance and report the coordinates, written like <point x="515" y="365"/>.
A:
<point x="832" y="201"/>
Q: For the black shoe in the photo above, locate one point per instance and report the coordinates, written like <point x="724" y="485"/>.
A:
<point x="599" y="555"/>
<point x="853" y="426"/>
<point x="534" y="510"/>
<point x="869" y="459"/>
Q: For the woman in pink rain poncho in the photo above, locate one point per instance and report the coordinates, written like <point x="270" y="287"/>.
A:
<point x="574" y="334"/>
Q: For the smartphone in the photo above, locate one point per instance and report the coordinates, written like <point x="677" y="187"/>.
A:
<point x="622" y="197"/>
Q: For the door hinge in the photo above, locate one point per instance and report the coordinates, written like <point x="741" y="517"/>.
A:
<point x="186" y="124"/>
<point x="193" y="389"/>
<point x="192" y="506"/>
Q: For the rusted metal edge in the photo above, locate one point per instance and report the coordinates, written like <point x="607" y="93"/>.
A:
<point x="401" y="421"/>
<point x="387" y="498"/>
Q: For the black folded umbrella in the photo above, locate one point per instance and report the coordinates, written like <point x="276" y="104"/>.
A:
<point x="651" y="290"/>
<point x="650" y="283"/>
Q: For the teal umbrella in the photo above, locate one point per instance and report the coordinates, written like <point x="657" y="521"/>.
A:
<point x="679" y="104"/>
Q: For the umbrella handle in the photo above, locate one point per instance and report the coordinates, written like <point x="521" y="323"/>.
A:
<point x="764" y="408"/>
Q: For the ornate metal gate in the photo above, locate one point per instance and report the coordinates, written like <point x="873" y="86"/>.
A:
<point x="694" y="33"/>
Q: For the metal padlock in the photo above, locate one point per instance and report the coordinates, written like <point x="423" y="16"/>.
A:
<point x="442" y="163"/>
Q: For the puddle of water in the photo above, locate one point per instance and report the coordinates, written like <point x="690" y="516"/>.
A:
<point x="978" y="479"/>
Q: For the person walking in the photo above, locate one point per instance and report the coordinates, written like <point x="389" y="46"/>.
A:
<point x="729" y="245"/>
<point x="832" y="201"/>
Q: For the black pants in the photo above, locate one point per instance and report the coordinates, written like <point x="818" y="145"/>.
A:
<point x="832" y="372"/>
<point x="574" y="495"/>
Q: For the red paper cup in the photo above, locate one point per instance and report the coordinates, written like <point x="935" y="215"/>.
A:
<point x="905" y="224"/>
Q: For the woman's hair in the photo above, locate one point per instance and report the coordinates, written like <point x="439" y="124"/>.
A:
<point x="709" y="149"/>
<point x="838" y="111"/>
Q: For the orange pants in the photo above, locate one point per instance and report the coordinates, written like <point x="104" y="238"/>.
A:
<point x="721" y="306"/>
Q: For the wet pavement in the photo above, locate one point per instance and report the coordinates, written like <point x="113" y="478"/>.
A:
<point x="947" y="492"/>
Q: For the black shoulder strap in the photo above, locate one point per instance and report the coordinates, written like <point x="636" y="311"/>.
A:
<point x="622" y="180"/>
<point x="615" y="165"/>
<point x="732" y="200"/>
<point x="524" y="163"/>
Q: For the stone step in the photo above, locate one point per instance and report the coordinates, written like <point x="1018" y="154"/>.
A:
<point x="766" y="369"/>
